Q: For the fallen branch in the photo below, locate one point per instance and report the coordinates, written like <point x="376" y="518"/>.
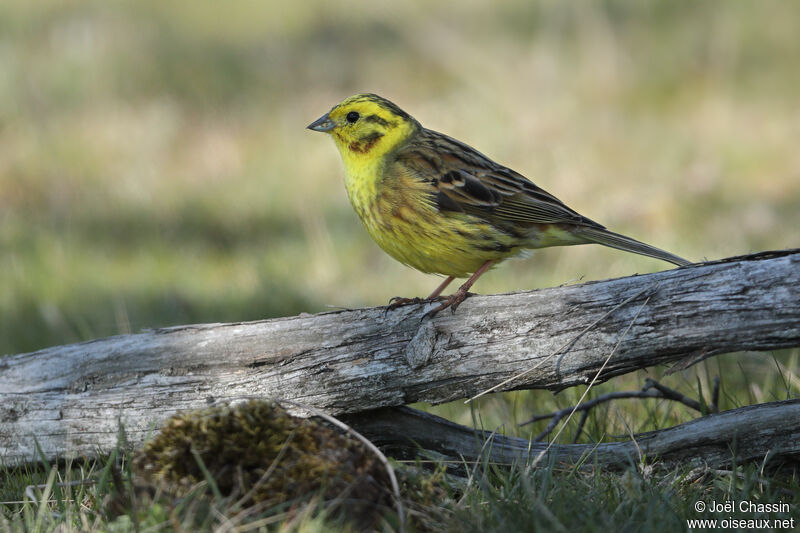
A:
<point x="651" y="389"/>
<point x="73" y="398"/>
<point x="766" y="432"/>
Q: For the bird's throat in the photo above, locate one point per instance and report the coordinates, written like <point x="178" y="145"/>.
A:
<point x="362" y="176"/>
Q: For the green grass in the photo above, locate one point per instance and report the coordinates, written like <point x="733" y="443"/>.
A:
<point x="102" y="495"/>
<point x="105" y="496"/>
<point x="155" y="170"/>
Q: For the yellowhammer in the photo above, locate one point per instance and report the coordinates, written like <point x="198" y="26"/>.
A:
<point x="440" y="206"/>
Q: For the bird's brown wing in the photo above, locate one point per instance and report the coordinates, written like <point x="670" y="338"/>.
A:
<point x="461" y="179"/>
<point x="464" y="180"/>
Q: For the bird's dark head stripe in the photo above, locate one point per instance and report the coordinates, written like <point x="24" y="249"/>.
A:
<point x="377" y="120"/>
<point x="371" y="137"/>
<point x="382" y="102"/>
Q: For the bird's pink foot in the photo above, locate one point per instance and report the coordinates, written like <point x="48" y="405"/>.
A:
<point x="398" y="301"/>
<point x="452" y="301"/>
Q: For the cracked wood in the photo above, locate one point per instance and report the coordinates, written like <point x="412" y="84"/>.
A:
<point x="72" y="398"/>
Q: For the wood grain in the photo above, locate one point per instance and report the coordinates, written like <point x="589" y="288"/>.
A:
<point x="73" y="398"/>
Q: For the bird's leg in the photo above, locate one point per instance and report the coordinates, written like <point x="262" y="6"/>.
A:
<point x="455" y="299"/>
<point x="397" y="301"/>
<point x="442" y="286"/>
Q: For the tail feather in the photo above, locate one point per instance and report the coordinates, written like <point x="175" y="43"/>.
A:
<point x="621" y="242"/>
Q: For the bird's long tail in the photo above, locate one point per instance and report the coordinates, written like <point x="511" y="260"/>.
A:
<point x="621" y="242"/>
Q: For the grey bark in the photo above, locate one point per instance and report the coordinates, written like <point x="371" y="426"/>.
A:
<point x="72" y="398"/>
<point x="768" y="432"/>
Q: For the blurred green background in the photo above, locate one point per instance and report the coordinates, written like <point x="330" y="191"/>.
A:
<point x="155" y="168"/>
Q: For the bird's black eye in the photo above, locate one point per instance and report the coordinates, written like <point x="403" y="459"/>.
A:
<point x="352" y="117"/>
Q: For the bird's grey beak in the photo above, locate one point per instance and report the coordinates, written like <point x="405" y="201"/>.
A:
<point x="323" y="123"/>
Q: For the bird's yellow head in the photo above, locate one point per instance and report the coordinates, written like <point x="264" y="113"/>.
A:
<point x="366" y="127"/>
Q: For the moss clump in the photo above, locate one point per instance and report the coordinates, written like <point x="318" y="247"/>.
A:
<point x="257" y="448"/>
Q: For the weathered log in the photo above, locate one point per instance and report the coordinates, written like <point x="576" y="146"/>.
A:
<point x="72" y="398"/>
<point x="753" y="433"/>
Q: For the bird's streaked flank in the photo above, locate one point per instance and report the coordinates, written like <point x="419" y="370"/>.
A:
<point x="440" y="206"/>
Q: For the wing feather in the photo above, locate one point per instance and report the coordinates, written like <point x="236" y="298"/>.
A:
<point x="465" y="180"/>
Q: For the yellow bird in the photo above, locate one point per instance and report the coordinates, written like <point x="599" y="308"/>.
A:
<point x="440" y="206"/>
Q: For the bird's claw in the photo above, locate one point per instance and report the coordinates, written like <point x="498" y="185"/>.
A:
<point x="399" y="301"/>
<point x="452" y="301"/>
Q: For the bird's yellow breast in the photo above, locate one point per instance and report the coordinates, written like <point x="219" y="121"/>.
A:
<point x="399" y="213"/>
